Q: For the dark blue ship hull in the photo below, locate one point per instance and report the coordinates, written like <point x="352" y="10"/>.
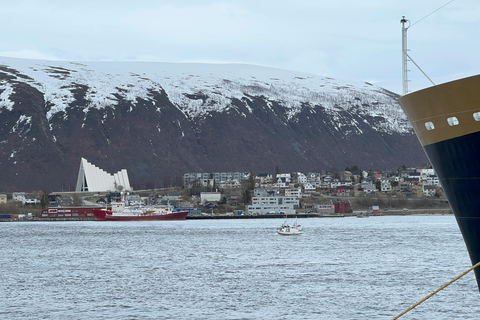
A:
<point x="446" y="120"/>
<point x="456" y="162"/>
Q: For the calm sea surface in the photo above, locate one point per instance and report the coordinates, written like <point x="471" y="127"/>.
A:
<point x="341" y="268"/>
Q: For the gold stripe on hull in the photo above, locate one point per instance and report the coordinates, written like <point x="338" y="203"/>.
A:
<point x="449" y="110"/>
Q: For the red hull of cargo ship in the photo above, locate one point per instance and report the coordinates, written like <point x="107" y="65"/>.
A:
<point x="106" y="215"/>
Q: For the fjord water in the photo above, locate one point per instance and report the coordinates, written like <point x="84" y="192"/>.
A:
<point x="341" y="268"/>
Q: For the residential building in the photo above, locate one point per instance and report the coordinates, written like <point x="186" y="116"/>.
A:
<point x="230" y="184"/>
<point x="264" y="180"/>
<point x="314" y="179"/>
<point x="412" y="181"/>
<point x="425" y="173"/>
<point x="202" y="178"/>
<point x="265" y="193"/>
<point x="173" y="196"/>
<point x="210" y="196"/>
<point x="18" y="196"/>
<point x="3" y="198"/>
<point x="217" y="178"/>
<point x="347" y="175"/>
<point x="405" y="173"/>
<point x="267" y="201"/>
<point x="385" y="185"/>
<point x="31" y="199"/>
<point x="429" y="190"/>
<point x="293" y="192"/>
<point x="369" y="188"/>
<point x="340" y="183"/>
<point x="283" y="180"/>
<point x="325" y="209"/>
<point x="285" y="177"/>
<point x="368" y="185"/>
<point x="309" y="187"/>
<point x="342" y="206"/>
<point x="431" y="180"/>
<point x="301" y="178"/>
<point x="343" y="191"/>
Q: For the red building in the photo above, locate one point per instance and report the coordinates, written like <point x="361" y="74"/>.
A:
<point x="343" y="191"/>
<point x="68" y="212"/>
<point x="342" y="207"/>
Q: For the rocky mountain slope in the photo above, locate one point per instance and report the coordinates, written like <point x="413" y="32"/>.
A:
<point x="161" y="120"/>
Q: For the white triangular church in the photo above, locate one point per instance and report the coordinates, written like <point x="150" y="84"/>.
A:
<point x="93" y="179"/>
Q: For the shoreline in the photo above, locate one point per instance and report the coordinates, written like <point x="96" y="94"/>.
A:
<point x="360" y="213"/>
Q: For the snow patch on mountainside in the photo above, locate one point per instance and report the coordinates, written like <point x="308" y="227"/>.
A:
<point x="5" y="92"/>
<point x="197" y="89"/>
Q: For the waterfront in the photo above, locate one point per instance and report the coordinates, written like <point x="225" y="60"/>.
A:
<point x="345" y="268"/>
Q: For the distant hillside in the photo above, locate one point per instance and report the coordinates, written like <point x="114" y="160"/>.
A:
<point x="160" y="120"/>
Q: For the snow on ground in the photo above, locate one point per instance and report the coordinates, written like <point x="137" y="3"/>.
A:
<point x="219" y="82"/>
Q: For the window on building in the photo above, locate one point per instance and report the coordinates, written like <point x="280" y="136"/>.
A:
<point x="453" y="121"/>
<point x="429" y="125"/>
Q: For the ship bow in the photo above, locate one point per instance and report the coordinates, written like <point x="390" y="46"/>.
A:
<point x="446" y="119"/>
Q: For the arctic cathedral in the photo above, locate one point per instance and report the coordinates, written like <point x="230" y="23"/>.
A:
<point x="93" y="179"/>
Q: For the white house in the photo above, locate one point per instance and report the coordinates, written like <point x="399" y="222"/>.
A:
<point x="368" y="186"/>
<point x="210" y="196"/>
<point x="30" y="199"/>
<point x="309" y="187"/>
<point x="284" y="176"/>
<point x="424" y="173"/>
<point x="18" y="196"/>
<point x="301" y="178"/>
<point x="385" y="185"/>
<point x="283" y="180"/>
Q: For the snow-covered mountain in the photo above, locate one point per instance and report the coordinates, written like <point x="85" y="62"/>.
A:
<point x="160" y="120"/>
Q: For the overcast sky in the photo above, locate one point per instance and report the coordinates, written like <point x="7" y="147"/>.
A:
<point x="349" y="39"/>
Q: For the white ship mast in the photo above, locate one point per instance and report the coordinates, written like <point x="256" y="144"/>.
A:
<point x="404" y="55"/>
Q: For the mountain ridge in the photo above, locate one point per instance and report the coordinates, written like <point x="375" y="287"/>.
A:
<point x="160" y="120"/>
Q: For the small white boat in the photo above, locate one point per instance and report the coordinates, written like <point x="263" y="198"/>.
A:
<point x="287" y="230"/>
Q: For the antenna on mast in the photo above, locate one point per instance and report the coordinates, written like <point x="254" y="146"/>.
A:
<point x="405" y="56"/>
